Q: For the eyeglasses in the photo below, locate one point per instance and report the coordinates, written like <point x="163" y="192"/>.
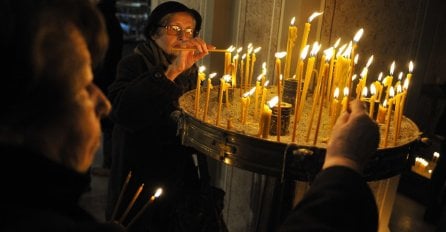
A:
<point x="178" y="31"/>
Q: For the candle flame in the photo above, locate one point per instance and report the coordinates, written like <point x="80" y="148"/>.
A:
<point x="341" y="50"/>
<point x="315" y="49"/>
<point x="257" y="49"/>
<point x="354" y="77"/>
<point x="345" y="91"/>
<point x="372" y="89"/>
<point x="230" y="49"/>
<point x="227" y="77"/>
<point x="406" y="84"/>
<point x="364" y="72"/>
<point x="365" y="91"/>
<point x="259" y="78"/>
<point x="348" y="50"/>
<point x="399" y="89"/>
<point x="380" y="76"/>
<point x="235" y="57"/>
<point x="212" y="75"/>
<point x="328" y="53"/>
<point x="369" y="62"/>
<point x="158" y="192"/>
<point x="239" y="49"/>
<point x="336" y="93"/>
<point x="385" y="103"/>
<point x="336" y="44"/>
<point x="356" y="58"/>
<point x="436" y="154"/>
<point x="410" y="66"/>
<point x="243" y="56"/>
<point x="391" y="91"/>
<point x="392" y="68"/>
<point x="266" y="83"/>
<point x="280" y="55"/>
<point x="358" y="35"/>
<point x="273" y="101"/>
<point x="264" y="68"/>
<point x="293" y="20"/>
<point x="314" y="15"/>
<point x="252" y="91"/>
<point x="201" y="68"/>
<point x="304" y="52"/>
<point x="400" y="76"/>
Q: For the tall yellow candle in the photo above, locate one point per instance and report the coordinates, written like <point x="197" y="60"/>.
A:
<point x="200" y="77"/>
<point x="372" y="100"/>
<point x="253" y="60"/>
<point x="306" y="31"/>
<point x="292" y="35"/>
<point x="308" y="75"/>
<point x="387" y="82"/>
<point x="247" y="66"/>
<point x="220" y="100"/>
<point x="243" y="82"/>
<point x="388" y="117"/>
<point x="208" y="93"/>
<point x="258" y="89"/>
<point x="382" y="112"/>
<point x="266" y="119"/>
<point x="334" y="107"/>
<point x="263" y="98"/>
<point x="279" y="55"/>
<point x="379" y="87"/>
<point x="396" y="113"/>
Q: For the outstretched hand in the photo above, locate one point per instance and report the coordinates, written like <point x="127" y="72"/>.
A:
<point x="354" y="139"/>
<point x="186" y="58"/>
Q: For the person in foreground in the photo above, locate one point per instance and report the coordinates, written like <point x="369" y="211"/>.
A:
<point x="51" y="111"/>
<point x="145" y="113"/>
<point x="339" y="199"/>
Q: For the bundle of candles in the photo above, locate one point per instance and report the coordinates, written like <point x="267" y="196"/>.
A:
<point x="424" y="167"/>
<point x="120" y="221"/>
<point x="308" y="101"/>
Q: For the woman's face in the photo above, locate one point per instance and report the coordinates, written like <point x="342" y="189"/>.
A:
<point x="179" y="29"/>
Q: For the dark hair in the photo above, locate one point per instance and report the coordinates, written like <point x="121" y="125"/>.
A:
<point x="166" y="8"/>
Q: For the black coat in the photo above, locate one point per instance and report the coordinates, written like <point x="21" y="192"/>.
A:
<point x="41" y="195"/>
<point x="338" y="200"/>
<point x="145" y="141"/>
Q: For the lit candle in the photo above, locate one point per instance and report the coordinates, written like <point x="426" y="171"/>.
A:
<point x="292" y="35"/>
<point x="372" y="100"/>
<point x="157" y="194"/>
<point x="307" y="29"/>
<point x="263" y="98"/>
<point x="344" y="102"/>
<point x="396" y="114"/>
<point x="387" y="82"/>
<point x="389" y="111"/>
<point x="234" y="70"/>
<point x="208" y="93"/>
<point x="279" y="55"/>
<point x="382" y="112"/>
<point x="228" y="59"/>
<point x="379" y="86"/>
<point x="266" y="121"/>
<point x="330" y="71"/>
<point x="409" y="74"/>
<point x="435" y="157"/>
<point x="220" y="99"/>
<point x="356" y="39"/>
<point x="258" y="89"/>
<point x="253" y="60"/>
<point x="334" y="107"/>
<point x="201" y="77"/>
<point x="247" y="66"/>
<point x="242" y="76"/>
<point x="308" y="75"/>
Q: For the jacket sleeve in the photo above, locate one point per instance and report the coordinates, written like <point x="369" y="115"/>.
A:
<point x="140" y="96"/>
<point x="338" y="200"/>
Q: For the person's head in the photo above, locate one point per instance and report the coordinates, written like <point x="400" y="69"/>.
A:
<point x="49" y="103"/>
<point x="172" y="23"/>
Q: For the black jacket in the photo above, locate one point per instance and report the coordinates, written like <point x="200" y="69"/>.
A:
<point x="339" y="200"/>
<point x="41" y="195"/>
<point x="145" y="141"/>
